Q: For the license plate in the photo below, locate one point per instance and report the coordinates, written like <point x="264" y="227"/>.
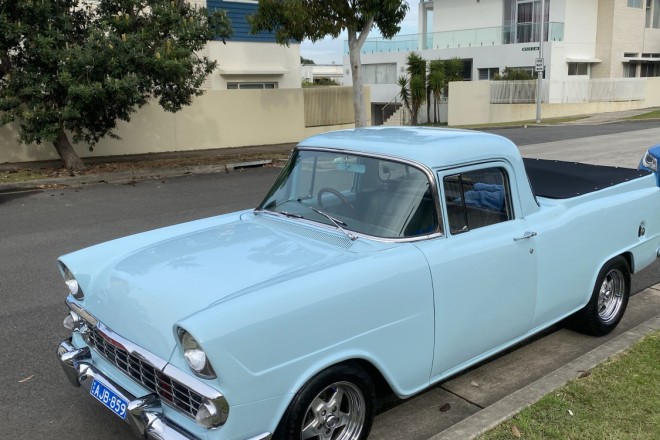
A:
<point x="107" y="397"/>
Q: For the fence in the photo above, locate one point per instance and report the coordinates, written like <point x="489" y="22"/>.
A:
<point x="328" y="106"/>
<point x="569" y="92"/>
<point x="217" y="119"/>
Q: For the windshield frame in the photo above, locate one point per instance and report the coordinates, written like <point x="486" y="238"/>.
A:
<point x="428" y="173"/>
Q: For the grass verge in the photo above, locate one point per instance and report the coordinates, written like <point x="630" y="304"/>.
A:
<point x="618" y="400"/>
<point x="650" y="115"/>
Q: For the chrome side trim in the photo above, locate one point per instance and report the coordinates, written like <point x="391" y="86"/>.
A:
<point x="264" y="436"/>
<point x="143" y="414"/>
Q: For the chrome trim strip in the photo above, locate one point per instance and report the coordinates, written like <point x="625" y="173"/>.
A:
<point x="143" y="414"/>
<point x="196" y="385"/>
<point x="264" y="436"/>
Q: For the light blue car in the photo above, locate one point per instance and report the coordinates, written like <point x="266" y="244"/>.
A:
<point x="382" y="260"/>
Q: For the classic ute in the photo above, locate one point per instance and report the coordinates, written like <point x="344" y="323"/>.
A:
<point x="382" y="260"/>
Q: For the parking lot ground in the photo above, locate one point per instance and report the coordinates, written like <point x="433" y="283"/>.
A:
<point x="469" y="394"/>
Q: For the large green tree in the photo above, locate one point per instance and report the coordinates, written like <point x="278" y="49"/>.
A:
<point x="69" y="68"/>
<point x="317" y="19"/>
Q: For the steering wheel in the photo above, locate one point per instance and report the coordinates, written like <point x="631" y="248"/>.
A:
<point x="337" y="194"/>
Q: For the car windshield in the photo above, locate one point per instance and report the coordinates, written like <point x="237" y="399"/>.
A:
<point x="367" y="195"/>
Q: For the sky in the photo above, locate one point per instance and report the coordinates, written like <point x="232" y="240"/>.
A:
<point x="329" y="51"/>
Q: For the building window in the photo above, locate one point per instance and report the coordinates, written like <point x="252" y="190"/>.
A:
<point x="251" y="85"/>
<point x="649" y="70"/>
<point x="578" y="69"/>
<point x="629" y="70"/>
<point x="634" y="3"/>
<point x="648" y="13"/>
<point x="379" y="73"/>
<point x="656" y="14"/>
<point x="522" y="19"/>
<point x="488" y="73"/>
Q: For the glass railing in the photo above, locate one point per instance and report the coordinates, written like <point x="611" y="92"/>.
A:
<point x="492" y="36"/>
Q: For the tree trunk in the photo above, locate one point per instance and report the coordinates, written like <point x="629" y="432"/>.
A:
<point x="355" y="44"/>
<point x="356" y="71"/>
<point x="68" y="155"/>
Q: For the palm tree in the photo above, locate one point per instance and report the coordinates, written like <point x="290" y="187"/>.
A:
<point x="436" y="84"/>
<point x="413" y="87"/>
<point x="453" y="70"/>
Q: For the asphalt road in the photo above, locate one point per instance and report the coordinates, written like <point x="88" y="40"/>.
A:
<point x="36" y="400"/>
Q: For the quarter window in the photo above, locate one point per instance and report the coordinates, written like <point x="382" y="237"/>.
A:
<point x="476" y="199"/>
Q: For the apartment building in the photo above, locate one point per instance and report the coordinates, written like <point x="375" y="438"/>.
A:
<point x="250" y="61"/>
<point x="582" y="39"/>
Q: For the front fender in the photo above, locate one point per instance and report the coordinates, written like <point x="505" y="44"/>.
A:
<point x="377" y="307"/>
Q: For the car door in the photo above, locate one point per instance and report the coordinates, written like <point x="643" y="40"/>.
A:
<point x="484" y="269"/>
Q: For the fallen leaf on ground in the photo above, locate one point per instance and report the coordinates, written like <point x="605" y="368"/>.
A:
<point x="26" y="379"/>
<point x="584" y="374"/>
<point x="474" y="384"/>
<point x="446" y="407"/>
<point x="515" y="431"/>
<point x="570" y="413"/>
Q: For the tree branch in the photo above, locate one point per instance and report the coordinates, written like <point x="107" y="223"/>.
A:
<point x="364" y="32"/>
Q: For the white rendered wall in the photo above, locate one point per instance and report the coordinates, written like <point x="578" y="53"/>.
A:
<point x="255" y="62"/>
<point x="450" y="15"/>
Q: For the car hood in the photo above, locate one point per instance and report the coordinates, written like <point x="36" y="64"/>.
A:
<point x="141" y="285"/>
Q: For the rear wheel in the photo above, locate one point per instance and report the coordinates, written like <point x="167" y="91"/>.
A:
<point x="337" y="404"/>
<point x="608" y="301"/>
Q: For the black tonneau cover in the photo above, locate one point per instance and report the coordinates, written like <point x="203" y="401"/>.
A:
<point x="555" y="179"/>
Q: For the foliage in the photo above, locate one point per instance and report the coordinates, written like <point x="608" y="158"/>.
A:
<point x="413" y="87"/>
<point x="69" y="66"/>
<point x="306" y="61"/>
<point x="320" y="82"/>
<point x="316" y="19"/>
<point x="513" y="74"/>
<point x="437" y="82"/>
<point x="619" y="399"/>
<point x="432" y="83"/>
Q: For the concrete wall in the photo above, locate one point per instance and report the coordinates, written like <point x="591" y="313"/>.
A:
<point x="218" y="119"/>
<point x="469" y="104"/>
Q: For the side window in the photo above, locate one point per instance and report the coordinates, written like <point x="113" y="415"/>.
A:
<point x="477" y="198"/>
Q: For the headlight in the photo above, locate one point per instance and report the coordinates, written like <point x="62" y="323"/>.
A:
<point x="72" y="284"/>
<point x="650" y="162"/>
<point x="195" y="356"/>
<point x="212" y="414"/>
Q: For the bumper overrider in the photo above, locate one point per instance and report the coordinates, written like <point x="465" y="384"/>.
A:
<point x="143" y="413"/>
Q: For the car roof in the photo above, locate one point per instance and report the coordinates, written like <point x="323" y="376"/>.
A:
<point x="433" y="147"/>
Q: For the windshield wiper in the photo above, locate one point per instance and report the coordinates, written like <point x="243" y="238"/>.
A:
<point x="336" y="222"/>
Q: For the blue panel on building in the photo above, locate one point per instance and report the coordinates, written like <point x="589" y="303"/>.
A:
<point x="237" y="11"/>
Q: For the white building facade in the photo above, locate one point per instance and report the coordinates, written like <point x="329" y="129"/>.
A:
<point x="250" y="61"/>
<point x="583" y="39"/>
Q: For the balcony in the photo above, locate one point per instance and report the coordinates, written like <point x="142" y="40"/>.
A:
<point x="492" y="36"/>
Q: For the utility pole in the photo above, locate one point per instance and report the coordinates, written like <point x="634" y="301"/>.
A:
<point x="540" y="65"/>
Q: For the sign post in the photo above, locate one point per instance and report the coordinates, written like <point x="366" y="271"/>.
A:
<point x="539" y="65"/>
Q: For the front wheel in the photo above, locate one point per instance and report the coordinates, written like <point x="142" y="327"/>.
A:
<point x="337" y="404"/>
<point x="608" y="301"/>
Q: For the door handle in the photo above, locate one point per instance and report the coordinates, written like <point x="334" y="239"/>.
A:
<point x="527" y="235"/>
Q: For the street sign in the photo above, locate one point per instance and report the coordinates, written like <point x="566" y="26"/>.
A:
<point x="539" y="65"/>
<point x="527" y="49"/>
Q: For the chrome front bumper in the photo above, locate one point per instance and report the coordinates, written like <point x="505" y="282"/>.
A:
<point x="144" y="414"/>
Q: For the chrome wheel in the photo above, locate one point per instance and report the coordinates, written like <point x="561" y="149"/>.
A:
<point x="611" y="296"/>
<point x="336" y="413"/>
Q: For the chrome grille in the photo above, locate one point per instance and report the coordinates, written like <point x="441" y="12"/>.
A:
<point x="177" y="395"/>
